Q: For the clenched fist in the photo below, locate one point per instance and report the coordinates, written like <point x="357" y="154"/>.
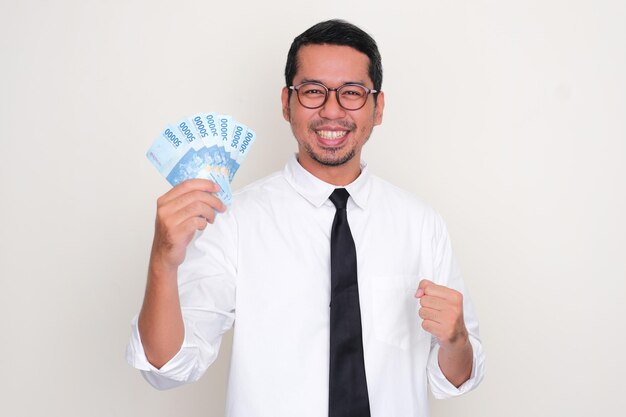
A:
<point x="442" y="313"/>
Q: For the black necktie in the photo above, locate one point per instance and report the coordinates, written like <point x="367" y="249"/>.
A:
<point x="348" y="388"/>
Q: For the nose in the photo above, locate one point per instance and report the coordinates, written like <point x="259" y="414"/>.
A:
<point x="331" y="109"/>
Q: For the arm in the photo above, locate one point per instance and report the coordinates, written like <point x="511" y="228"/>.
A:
<point x="180" y="212"/>
<point x="442" y="314"/>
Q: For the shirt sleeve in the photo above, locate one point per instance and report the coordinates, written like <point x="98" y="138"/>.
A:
<point x="206" y="285"/>
<point x="448" y="274"/>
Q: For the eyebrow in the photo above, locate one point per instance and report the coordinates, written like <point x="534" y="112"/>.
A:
<point x="311" y="80"/>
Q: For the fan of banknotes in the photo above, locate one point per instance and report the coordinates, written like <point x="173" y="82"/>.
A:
<point x="205" y="145"/>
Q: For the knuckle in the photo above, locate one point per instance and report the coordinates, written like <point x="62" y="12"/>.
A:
<point x="456" y="311"/>
<point x="195" y="194"/>
<point x="199" y="195"/>
<point x="194" y="208"/>
<point x="197" y="205"/>
<point x="457" y="297"/>
<point x="200" y="223"/>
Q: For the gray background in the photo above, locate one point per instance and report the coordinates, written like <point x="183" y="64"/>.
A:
<point x="507" y="116"/>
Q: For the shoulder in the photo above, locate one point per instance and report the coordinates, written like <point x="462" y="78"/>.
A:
<point x="402" y="205"/>
<point x="384" y="192"/>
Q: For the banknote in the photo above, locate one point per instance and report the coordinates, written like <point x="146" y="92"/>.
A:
<point x="216" y="144"/>
<point x="205" y="145"/>
<point x="166" y="152"/>
<point x="243" y="138"/>
<point x="185" y="129"/>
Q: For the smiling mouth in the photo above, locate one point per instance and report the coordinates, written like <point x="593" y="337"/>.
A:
<point x="331" y="135"/>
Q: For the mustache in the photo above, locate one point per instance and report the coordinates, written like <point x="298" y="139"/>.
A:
<point x="316" y="124"/>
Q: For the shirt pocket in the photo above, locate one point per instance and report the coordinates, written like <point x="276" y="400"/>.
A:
<point x="395" y="309"/>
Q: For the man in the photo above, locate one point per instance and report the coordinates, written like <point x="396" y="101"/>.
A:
<point x="283" y="264"/>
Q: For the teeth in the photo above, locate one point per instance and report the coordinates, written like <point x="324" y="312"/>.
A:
<point x="331" y="134"/>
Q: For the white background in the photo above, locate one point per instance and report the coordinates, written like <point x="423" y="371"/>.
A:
<point x="507" y="116"/>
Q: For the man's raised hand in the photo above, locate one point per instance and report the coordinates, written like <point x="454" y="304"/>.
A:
<point x="188" y="207"/>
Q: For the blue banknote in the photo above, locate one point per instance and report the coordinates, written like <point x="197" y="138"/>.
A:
<point x="217" y="144"/>
<point x="186" y="130"/>
<point x="243" y="138"/>
<point x="167" y="150"/>
<point x="206" y="145"/>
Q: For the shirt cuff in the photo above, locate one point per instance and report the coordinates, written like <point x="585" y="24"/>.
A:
<point x="179" y="370"/>
<point x="440" y="387"/>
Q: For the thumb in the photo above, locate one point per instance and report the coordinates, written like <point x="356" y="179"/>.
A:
<point x="421" y="288"/>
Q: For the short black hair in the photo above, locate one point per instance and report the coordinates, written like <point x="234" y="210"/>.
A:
<point x="336" y="32"/>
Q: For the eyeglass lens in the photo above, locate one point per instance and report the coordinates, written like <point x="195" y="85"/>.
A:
<point x="314" y="95"/>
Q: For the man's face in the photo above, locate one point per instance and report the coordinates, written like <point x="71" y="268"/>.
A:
<point x="330" y="135"/>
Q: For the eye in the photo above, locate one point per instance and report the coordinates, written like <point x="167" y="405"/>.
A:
<point x="311" y="91"/>
<point x="352" y="91"/>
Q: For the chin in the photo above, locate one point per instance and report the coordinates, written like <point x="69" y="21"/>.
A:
<point x="331" y="159"/>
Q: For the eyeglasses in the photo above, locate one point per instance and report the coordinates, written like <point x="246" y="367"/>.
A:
<point x="350" y="96"/>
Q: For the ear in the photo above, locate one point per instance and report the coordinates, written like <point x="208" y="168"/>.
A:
<point x="380" y="106"/>
<point x="284" y="97"/>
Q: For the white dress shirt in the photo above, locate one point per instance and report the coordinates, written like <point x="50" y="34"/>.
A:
<point x="264" y="267"/>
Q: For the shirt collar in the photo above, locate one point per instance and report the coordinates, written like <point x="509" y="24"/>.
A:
<point x="317" y="191"/>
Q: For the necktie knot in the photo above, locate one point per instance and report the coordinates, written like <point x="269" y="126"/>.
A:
<point x="339" y="197"/>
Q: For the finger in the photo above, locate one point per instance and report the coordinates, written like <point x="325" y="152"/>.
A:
<point x="185" y="200"/>
<point x="196" y="208"/>
<point x="193" y="224"/>
<point x="421" y="288"/>
<point x="197" y="184"/>
<point x="435" y="303"/>
<point x="450" y="296"/>
<point x="430" y="314"/>
<point x="431" y="327"/>
<point x="440" y="330"/>
<point x="425" y="283"/>
<point x="443" y="332"/>
<point x="446" y="293"/>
